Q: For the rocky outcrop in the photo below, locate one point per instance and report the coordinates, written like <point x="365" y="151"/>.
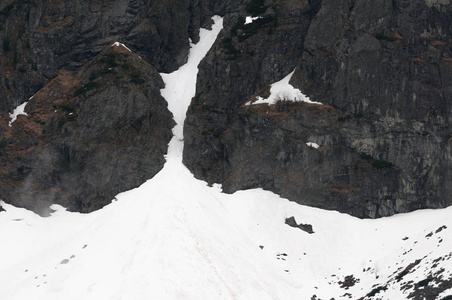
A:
<point x="86" y="137"/>
<point x="383" y="72"/>
<point x="38" y="38"/>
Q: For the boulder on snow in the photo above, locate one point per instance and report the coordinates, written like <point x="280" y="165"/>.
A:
<point x="293" y="223"/>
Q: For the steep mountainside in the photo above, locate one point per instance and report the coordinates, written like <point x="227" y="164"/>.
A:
<point x="175" y="237"/>
<point x="85" y="134"/>
<point x="41" y="37"/>
<point x="383" y="71"/>
<point x="79" y="155"/>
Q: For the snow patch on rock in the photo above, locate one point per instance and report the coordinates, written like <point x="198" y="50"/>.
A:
<point x="249" y="19"/>
<point x="313" y="145"/>
<point x="20" y="110"/>
<point x="118" y="44"/>
<point x="283" y="91"/>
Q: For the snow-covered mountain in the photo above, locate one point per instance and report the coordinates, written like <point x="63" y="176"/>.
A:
<point x="176" y="237"/>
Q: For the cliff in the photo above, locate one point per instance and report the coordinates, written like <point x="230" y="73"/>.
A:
<point x="39" y="38"/>
<point x="382" y="71"/>
<point x="85" y="134"/>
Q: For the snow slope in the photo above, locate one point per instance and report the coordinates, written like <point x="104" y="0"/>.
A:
<point x="174" y="237"/>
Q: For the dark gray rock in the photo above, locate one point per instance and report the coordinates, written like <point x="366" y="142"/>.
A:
<point x="87" y="137"/>
<point x="383" y="71"/>
<point x="384" y="58"/>
<point x="246" y="58"/>
<point x="293" y="223"/>
<point x="45" y="36"/>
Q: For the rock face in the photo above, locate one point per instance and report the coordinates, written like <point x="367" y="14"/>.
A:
<point x="87" y="137"/>
<point x="383" y="71"/>
<point x="41" y="37"/>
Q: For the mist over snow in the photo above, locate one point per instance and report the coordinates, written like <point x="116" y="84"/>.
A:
<point x="174" y="237"/>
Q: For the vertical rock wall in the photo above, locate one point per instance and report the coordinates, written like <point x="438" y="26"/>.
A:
<point x="382" y="69"/>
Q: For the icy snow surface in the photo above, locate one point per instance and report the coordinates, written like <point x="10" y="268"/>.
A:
<point x="176" y="238"/>
<point x="283" y="91"/>
<point x="20" y="110"/>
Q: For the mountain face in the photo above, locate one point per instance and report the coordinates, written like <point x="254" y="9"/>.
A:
<point x="40" y="38"/>
<point x="103" y="118"/>
<point x="85" y="133"/>
<point x="175" y="237"/>
<point x="110" y="119"/>
<point x="381" y="70"/>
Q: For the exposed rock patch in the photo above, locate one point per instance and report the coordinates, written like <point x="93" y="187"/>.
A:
<point x="348" y="282"/>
